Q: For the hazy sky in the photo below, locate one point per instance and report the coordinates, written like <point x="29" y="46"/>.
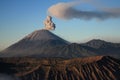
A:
<point x="18" y="18"/>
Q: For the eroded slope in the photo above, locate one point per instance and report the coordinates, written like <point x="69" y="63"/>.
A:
<point x="89" y="68"/>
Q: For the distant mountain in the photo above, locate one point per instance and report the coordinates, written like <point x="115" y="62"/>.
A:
<point x="45" y="44"/>
<point x="104" y="48"/>
<point x="89" y="68"/>
<point x="97" y="43"/>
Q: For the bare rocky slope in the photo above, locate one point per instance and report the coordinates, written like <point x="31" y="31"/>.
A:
<point x="88" y="68"/>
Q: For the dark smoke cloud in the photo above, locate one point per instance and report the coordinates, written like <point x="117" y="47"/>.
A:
<point x="67" y="11"/>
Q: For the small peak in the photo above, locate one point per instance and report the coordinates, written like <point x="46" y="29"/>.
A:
<point x="96" y="40"/>
<point x="44" y="35"/>
<point x="96" y="43"/>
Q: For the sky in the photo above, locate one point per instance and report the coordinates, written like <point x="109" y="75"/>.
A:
<point x="19" y="18"/>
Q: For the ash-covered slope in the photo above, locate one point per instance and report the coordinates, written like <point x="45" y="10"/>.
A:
<point x="40" y="42"/>
<point x="89" y="68"/>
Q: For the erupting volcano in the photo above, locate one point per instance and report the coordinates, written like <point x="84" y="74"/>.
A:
<point x="42" y="55"/>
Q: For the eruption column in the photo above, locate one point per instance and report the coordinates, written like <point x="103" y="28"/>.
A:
<point x="49" y="25"/>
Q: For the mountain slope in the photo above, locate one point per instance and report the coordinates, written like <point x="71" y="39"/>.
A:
<point x="89" y="68"/>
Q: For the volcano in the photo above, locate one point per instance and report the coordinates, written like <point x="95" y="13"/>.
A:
<point x="40" y="43"/>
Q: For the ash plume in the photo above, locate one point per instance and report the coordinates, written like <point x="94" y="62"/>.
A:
<point x="67" y="11"/>
<point x="49" y="25"/>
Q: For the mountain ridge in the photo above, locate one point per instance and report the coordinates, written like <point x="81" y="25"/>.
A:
<point x="43" y="43"/>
